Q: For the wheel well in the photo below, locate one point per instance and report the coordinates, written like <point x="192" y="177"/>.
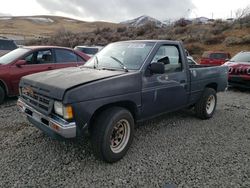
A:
<point x="130" y="106"/>
<point x="3" y="86"/>
<point x="213" y="86"/>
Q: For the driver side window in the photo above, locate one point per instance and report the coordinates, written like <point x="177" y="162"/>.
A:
<point x="170" y="57"/>
<point x="39" y="57"/>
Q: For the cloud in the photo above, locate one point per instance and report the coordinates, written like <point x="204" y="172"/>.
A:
<point x="4" y="14"/>
<point x="119" y="10"/>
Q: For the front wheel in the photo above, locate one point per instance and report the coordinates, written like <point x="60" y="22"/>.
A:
<point x="112" y="134"/>
<point x="206" y="105"/>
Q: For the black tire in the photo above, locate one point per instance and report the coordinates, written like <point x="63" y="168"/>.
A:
<point x="203" y="109"/>
<point x="2" y="95"/>
<point x="103" y="132"/>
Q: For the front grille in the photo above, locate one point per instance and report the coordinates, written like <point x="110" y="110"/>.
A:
<point x="37" y="100"/>
<point x="238" y="71"/>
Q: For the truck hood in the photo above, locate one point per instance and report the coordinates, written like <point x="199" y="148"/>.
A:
<point x="54" y="83"/>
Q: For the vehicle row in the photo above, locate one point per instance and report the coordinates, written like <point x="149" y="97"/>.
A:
<point x="239" y="66"/>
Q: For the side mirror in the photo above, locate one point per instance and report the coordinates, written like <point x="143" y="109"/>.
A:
<point x="19" y="63"/>
<point x="157" y="68"/>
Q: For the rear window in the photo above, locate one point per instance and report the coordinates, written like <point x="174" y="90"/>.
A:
<point x="7" y="45"/>
<point x="218" y="56"/>
<point x="215" y="55"/>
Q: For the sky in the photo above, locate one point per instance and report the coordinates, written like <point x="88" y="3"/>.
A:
<point x="121" y="10"/>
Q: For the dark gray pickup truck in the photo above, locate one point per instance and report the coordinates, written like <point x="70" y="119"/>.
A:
<point x="125" y="83"/>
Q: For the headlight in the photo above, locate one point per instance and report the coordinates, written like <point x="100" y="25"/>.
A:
<point x="58" y="107"/>
<point x="65" y="111"/>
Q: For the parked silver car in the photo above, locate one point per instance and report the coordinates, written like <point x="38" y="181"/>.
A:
<point x="89" y="50"/>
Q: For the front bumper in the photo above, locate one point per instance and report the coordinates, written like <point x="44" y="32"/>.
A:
<point x="54" y="126"/>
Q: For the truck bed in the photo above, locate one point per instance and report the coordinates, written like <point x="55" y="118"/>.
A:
<point x="201" y="76"/>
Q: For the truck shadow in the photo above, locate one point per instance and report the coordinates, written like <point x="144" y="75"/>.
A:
<point x="9" y="101"/>
<point x="237" y="89"/>
<point x="82" y="148"/>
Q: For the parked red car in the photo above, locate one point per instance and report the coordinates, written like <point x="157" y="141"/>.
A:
<point x="33" y="59"/>
<point x="239" y="70"/>
<point x="214" y="58"/>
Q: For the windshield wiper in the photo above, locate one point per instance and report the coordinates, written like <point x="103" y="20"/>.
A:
<point x="105" y="68"/>
<point x="120" y="63"/>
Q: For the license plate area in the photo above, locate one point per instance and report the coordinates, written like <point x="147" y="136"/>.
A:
<point x="36" y="116"/>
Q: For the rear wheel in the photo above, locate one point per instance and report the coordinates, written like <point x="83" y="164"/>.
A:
<point x="2" y="95"/>
<point x="206" y="106"/>
<point x="112" y="134"/>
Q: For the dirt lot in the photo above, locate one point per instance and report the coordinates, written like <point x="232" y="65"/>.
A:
<point x="175" y="149"/>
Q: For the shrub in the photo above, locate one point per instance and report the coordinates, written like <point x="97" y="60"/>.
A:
<point x="194" y="49"/>
<point x="163" y="37"/>
<point x="140" y="31"/>
<point x="191" y="39"/>
<point x="219" y="28"/>
<point x="180" y="30"/>
<point x="121" y="29"/>
<point x="106" y="29"/>
<point x="229" y="41"/>
<point x="212" y="39"/>
<point x="124" y="38"/>
<point x="182" y="22"/>
<point x="246" y="39"/>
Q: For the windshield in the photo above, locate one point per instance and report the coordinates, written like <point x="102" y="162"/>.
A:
<point x="241" y="57"/>
<point x="122" y="55"/>
<point x="13" y="55"/>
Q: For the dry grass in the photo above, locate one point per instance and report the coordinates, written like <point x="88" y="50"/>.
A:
<point x="21" y="26"/>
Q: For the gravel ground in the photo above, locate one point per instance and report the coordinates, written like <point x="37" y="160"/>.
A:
<point x="175" y="149"/>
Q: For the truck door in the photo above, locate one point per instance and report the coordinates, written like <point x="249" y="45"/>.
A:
<point x="169" y="91"/>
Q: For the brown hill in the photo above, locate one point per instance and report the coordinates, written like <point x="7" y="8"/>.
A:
<point x="32" y="27"/>
<point x="233" y="36"/>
